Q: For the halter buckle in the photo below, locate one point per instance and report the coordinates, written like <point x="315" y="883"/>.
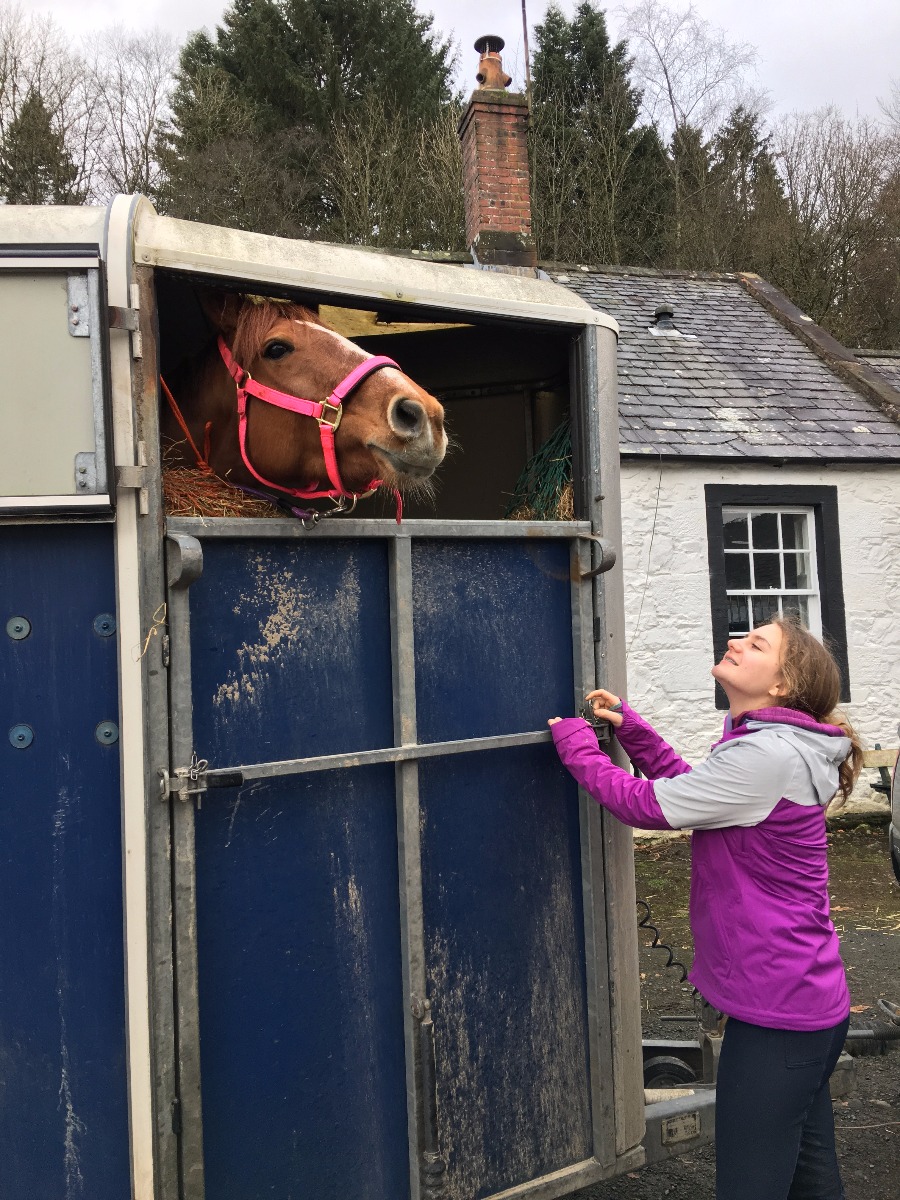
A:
<point x="331" y="414"/>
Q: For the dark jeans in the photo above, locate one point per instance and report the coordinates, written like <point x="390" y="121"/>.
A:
<point x="774" y="1124"/>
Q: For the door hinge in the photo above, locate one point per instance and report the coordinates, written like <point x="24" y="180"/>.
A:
<point x="134" y="475"/>
<point x="124" y="318"/>
<point x="128" y="319"/>
<point x="176" y="1117"/>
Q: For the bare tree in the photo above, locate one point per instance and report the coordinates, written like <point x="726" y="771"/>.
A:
<point x="840" y="179"/>
<point x="688" y="70"/>
<point x="395" y="180"/>
<point x="129" y="79"/>
<point x="105" y="105"/>
<point x="37" y="63"/>
<point x="890" y="105"/>
<point x="691" y="76"/>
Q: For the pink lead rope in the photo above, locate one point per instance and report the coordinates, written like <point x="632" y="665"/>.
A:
<point x="328" y="413"/>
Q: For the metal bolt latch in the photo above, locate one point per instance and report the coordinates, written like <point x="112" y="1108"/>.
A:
<point x="107" y="733"/>
<point x="21" y="736"/>
<point x="105" y="625"/>
<point x="18" y="628"/>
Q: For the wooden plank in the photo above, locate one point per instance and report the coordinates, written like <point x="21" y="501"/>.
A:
<point x="880" y="758"/>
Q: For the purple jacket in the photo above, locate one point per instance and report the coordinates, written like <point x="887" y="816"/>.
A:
<point x="765" y="949"/>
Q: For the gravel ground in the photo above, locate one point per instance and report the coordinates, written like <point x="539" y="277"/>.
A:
<point x="866" y="910"/>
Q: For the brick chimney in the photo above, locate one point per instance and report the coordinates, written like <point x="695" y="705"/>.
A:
<point x="494" y="136"/>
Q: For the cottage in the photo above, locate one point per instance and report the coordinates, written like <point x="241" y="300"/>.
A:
<point x="760" y="474"/>
<point x="760" y="459"/>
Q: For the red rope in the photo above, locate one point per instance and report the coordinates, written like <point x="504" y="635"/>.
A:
<point x="202" y="459"/>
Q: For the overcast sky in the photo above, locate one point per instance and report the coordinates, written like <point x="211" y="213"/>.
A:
<point x="812" y="52"/>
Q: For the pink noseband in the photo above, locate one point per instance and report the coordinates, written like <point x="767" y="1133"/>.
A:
<point x="328" y="414"/>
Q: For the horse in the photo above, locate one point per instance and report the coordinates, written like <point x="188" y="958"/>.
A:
<point x="248" y="400"/>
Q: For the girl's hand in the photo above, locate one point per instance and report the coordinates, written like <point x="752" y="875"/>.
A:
<point x="604" y="704"/>
<point x="553" y="720"/>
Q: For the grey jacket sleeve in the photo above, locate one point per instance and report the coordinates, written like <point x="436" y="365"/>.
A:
<point x="739" y="784"/>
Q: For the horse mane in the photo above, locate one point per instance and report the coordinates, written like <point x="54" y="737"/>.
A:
<point x="257" y="316"/>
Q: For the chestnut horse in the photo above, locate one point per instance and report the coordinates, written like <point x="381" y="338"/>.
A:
<point x="281" y="402"/>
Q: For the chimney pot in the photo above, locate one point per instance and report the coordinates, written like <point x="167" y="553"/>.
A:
<point x="490" y="67"/>
<point x="494" y="135"/>
<point x="664" y="316"/>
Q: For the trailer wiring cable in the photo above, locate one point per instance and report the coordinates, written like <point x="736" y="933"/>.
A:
<point x="637" y="623"/>
<point x="645" y="922"/>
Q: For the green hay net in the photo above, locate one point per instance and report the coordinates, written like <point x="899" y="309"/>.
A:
<point x="544" y="489"/>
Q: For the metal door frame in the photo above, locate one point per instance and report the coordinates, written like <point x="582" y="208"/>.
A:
<point x="185" y="558"/>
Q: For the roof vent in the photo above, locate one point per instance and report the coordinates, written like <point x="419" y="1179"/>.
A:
<point x="663" y="325"/>
<point x="664" y="316"/>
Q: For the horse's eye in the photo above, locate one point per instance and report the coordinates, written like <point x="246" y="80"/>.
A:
<point x="277" y="350"/>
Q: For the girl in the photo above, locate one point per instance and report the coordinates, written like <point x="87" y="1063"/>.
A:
<point x="765" y="951"/>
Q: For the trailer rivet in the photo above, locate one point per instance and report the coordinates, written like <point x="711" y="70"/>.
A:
<point x="105" y="625"/>
<point x="21" y="736"/>
<point x="107" y="733"/>
<point x="18" y="628"/>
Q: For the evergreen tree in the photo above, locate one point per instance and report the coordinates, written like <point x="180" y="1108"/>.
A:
<point x="304" y="61"/>
<point x="35" y="166"/>
<point x="254" y="111"/>
<point x="599" y="179"/>
<point x="749" y="205"/>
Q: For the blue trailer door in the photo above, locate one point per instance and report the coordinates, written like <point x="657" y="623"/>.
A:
<point x="63" y="1089"/>
<point x="389" y="935"/>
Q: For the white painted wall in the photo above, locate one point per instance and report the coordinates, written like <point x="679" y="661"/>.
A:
<point x="667" y="602"/>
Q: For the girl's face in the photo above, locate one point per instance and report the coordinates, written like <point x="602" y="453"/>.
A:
<point x="750" y="669"/>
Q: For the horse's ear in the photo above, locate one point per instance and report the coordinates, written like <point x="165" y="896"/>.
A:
<point x="221" y="308"/>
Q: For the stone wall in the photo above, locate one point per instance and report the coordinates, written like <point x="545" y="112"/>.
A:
<point x="667" y="600"/>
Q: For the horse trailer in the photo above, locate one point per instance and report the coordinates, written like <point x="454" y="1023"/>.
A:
<point x="297" y="900"/>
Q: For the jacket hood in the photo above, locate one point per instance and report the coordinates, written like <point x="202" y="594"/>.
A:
<point x="822" y="747"/>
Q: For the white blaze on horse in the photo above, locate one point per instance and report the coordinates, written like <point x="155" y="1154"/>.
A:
<point x="282" y="404"/>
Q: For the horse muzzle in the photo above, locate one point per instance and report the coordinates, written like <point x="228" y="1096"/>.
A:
<point x="412" y="463"/>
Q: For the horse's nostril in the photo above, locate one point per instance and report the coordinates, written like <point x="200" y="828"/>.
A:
<point x="407" y="417"/>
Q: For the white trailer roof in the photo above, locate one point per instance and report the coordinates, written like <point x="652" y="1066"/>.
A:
<point x="312" y="266"/>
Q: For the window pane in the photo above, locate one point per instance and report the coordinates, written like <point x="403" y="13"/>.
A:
<point x="766" y="571"/>
<point x="764" y="609"/>
<point x="798" y="605"/>
<point x="765" y="531"/>
<point x="796" y="571"/>
<point x="737" y="571"/>
<point x="738" y="616"/>
<point x="793" y="531"/>
<point x="735" y="532"/>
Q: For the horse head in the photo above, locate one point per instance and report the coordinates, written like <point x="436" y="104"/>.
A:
<point x="388" y="429"/>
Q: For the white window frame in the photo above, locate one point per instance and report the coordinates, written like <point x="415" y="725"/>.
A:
<point x="812" y="594"/>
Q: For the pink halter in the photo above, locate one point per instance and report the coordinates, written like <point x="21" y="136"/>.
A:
<point x="328" y="413"/>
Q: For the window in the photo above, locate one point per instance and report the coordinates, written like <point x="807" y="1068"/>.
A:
<point x="770" y="567"/>
<point x="774" y="550"/>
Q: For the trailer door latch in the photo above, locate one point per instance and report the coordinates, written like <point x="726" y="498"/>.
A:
<point x="194" y="780"/>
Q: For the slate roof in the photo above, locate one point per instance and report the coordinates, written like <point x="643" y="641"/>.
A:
<point x="733" y="382"/>
<point x="887" y="364"/>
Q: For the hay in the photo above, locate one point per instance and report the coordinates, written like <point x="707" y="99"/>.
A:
<point x="564" y="511"/>
<point x="190" y="493"/>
